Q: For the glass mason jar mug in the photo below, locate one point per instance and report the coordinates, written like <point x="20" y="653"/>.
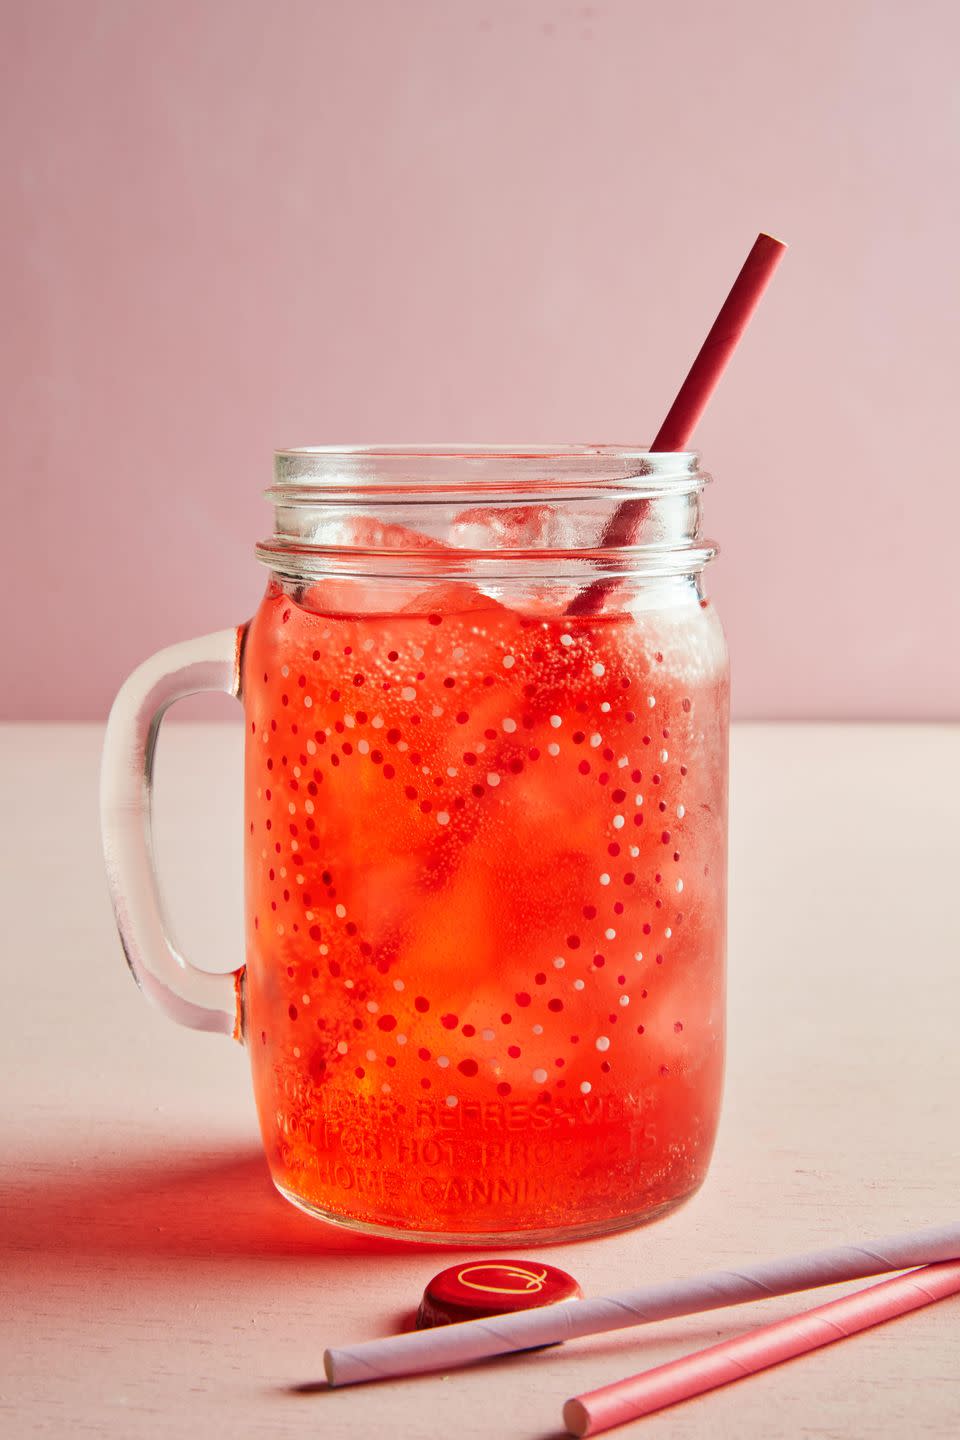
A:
<point x="486" y="773"/>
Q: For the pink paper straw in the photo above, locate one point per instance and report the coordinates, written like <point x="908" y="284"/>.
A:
<point x="451" y="1345"/>
<point x="718" y="1365"/>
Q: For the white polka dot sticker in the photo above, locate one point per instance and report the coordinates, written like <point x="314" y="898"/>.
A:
<point x="598" y="669"/>
<point x="603" y="1042"/>
<point x="579" y="984"/>
<point x="408" y="693"/>
<point x="556" y="721"/>
<point x="342" y="1047"/>
<point x="585" y="1087"/>
<point x="493" y="779"/>
<point x="540" y="1076"/>
<point x="443" y="1061"/>
<point x="508" y="662"/>
<point x="452" y="1101"/>
<point x="398" y="985"/>
<point x="509" y="725"/>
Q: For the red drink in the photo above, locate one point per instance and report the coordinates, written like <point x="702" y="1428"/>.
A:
<point x="485" y="869"/>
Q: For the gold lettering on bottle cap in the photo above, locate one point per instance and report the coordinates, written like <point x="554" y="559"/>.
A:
<point x="525" y="1282"/>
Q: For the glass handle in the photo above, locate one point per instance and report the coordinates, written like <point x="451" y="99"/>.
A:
<point x="190" y="996"/>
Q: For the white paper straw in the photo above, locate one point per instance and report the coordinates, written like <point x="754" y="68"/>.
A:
<point x="447" y="1347"/>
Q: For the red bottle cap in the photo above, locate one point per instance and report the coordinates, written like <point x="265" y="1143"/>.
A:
<point x="479" y="1288"/>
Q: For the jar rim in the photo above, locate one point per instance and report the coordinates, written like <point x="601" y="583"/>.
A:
<point x="466" y="451"/>
<point x="317" y="470"/>
<point x="484" y="510"/>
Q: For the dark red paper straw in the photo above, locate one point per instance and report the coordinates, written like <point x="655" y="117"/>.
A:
<point x="731" y="1360"/>
<point x="724" y="337"/>
<point x="702" y="379"/>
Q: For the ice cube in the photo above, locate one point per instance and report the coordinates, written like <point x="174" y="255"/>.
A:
<point x="512" y="527"/>
<point x="370" y="589"/>
<point x="452" y="597"/>
<point x="574" y="524"/>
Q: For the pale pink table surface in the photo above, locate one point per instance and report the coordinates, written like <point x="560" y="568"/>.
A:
<point x="153" y="1284"/>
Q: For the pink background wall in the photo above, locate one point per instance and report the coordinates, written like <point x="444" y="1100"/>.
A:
<point x="234" y="224"/>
